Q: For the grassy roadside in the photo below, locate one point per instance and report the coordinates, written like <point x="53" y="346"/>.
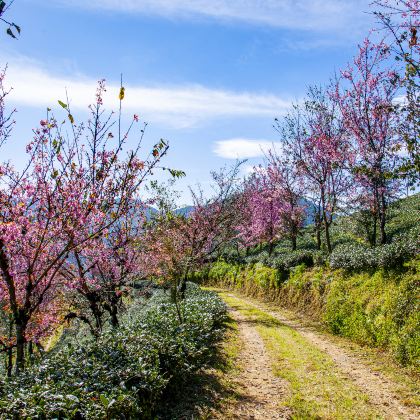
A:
<point x="318" y="389"/>
<point x="211" y="393"/>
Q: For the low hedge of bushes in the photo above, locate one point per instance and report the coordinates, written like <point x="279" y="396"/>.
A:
<point x="379" y="308"/>
<point x="360" y="257"/>
<point x="125" y="372"/>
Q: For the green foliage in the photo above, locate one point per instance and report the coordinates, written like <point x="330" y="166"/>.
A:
<point x="250" y="276"/>
<point x="285" y="262"/>
<point x="360" y="257"/>
<point x="381" y="310"/>
<point x="124" y="373"/>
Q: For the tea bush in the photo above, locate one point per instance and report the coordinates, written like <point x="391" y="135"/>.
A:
<point x="124" y="373"/>
<point x="360" y="257"/>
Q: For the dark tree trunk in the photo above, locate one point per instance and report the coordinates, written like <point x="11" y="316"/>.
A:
<point x="183" y="288"/>
<point x="374" y="229"/>
<point x="382" y="220"/>
<point x="327" y="235"/>
<point x="318" y="227"/>
<point x="30" y="348"/>
<point x="270" y="248"/>
<point x="377" y="213"/>
<point x="294" y="242"/>
<point x="20" y="345"/>
<point x="327" y="221"/>
<point x="97" y="313"/>
<point x="112" y="308"/>
<point x="9" y="362"/>
<point x="114" y="318"/>
<point x="318" y="238"/>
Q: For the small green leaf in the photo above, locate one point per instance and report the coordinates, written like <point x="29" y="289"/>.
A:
<point x="176" y="173"/>
<point x="104" y="400"/>
<point x="62" y="104"/>
<point x="71" y="118"/>
<point x="73" y="398"/>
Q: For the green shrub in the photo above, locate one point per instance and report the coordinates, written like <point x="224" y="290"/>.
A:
<point x="123" y="374"/>
<point x="381" y="310"/>
<point x="359" y="257"/>
<point x="264" y="277"/>
<point x="284" y="262"/>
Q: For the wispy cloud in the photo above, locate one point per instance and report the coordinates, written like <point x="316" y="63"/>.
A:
<point x="175" y="106"/>
<point x="240" y="148"/>
<point x="319" y="15"/>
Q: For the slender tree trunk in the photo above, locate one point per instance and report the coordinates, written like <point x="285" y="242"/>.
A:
<point x="327" y="222"/>
<point x="96" y="312"/>
<point x="20" y="345"/>
<point x="270" y="248"/>
<point x="382" y="220"/>
<point x="30" y="349"/>
<point x="9" y="362"/>
<point x="374" y="229"/>
<point x="327" y="235"/>
<point x="175" y="294"/>
<point x="318" y="238"/>
<point x="9" y="357"/>
<point x="294" y="242"/>
<point x="183" y="285"/>
<point x="318" y="226"/>
<point x="376" y="212"/>
<point x="114" y="318"/>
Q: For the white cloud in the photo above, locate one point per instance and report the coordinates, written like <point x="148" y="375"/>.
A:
<point x="179" y="106"/>
<point x="319" y="15"/>
<point x="247" y="170"/>
<point x="240" y="148"/>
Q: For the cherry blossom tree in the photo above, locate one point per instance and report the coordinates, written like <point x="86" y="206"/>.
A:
<point x="176" y="244"/>
<point x="262" y="206"/>
<point x="366" y="93"/>
<point x="290" y="188"/>
<point x="400" y="23"/>
<point x="314" y="137"/>
<point x="98" y="276"/>
<point x="68" y="195"/>
<point x="272" y="205"/>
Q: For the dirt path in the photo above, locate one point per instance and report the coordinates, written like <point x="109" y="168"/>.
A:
<point x="261" y="391"/>
<point x="264" y="392"/>
<point x="381" y="390"/>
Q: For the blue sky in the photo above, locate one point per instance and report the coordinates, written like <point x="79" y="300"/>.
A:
<point x="208" y="75"/>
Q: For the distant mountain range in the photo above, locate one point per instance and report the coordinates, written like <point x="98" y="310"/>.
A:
<point x="183" y="211"/>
